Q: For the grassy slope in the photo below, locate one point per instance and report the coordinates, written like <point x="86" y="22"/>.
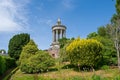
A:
<point x="67" y="74"/>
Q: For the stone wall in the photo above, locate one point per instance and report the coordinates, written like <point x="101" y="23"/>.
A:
<point x="54" y="51"/>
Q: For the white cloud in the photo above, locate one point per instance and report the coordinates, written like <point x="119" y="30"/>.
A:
<point x="12" y="15"/>
<point x="67" y="4"/>
<point x="45" y="21"/>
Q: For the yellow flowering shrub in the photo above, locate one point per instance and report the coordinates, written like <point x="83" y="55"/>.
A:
<point x="84" y="51"/>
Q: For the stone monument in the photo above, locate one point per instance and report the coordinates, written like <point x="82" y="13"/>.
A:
<point x="58" y="32"/>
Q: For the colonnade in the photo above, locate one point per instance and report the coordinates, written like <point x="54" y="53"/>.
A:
<point x="58" y="34"/>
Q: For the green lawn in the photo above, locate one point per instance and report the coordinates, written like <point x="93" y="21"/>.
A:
<point x="70" y="74"/>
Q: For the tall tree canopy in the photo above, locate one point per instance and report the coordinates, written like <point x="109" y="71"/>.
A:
<point x="118" y="6"/>
<point x="16" y="43"/>
<point x="114" y="30"/>
<point x="117" y="15"/>
<point x="102" y="31"/>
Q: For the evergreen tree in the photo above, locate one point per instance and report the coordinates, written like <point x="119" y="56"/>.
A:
<point x="16" y="43"/>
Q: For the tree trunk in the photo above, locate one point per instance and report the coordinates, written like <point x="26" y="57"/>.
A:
<point x="117" y="47"/>
<point x="118" y="53"/>
<point x="118" y="56"/>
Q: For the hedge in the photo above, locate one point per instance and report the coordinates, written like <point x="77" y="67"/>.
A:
<point x="6" y="63"/>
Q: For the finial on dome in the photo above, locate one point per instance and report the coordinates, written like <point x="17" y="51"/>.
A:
<point x="59" y="21"/>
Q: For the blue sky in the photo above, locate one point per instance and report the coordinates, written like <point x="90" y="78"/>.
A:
<point x="37" y="17"/>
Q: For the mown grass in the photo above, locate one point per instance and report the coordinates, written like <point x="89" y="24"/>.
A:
<point x="70" y="74"/>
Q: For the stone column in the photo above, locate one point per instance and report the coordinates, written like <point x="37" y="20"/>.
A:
<point x="53" y="37"/>
<point x="61" y="33"/>
<point x="56" y="35"/>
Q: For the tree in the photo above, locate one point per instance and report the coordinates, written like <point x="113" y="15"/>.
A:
<point x="84" y="52"/>
<point x="28" y="50"/>
<point x="91" y="35"/>
<point x="40" y="62"/>
<point x="108" y="53"/>
<point x="16" y="43"/>
<point x="114" y="31"/>
<point x="116" y="16"/>
<point x="102" y="31"/>
<point x="32" y="60"/>
<point x="117" y="6"/>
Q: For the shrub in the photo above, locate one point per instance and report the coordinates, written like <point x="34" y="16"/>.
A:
<point x="29" y="50"/>
<point x="84" y="52"/>
<point x="37" y="63"/>
<point x="105" y="67"/>
<point x="6" y="63"/>
<point x="32" y="60"/>
<point x="2" y="65"/>
<point x="10" y="62"/>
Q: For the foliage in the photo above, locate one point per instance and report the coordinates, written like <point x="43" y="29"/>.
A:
<point x="116" y="16"/>
<point x="109" y="56"/>
<point x="64" y="42"/>
<point x="29" y="50"/>
<point x="115" y="30"/>
<point x="108" y="51"/>
<point x="102" y="31"/>
<point x="105" y="67"/>
<point x="63" y="55"/>
<point x="91" y="35"/>
<point x="84" y="52"/>
<point x="118" y="6"/>
<point x="2" y="65"/>
<point x="109" y="36"/>
<point x="41" y="61"/>
<point x="16" y="43"/>
<point x="33" y="61"/>
<point x="10" y="62"/>
<point x="6" y="63"/>
<point x="38" y="63"/>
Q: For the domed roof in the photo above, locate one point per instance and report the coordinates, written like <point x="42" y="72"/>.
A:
<point x="59" y="24"/>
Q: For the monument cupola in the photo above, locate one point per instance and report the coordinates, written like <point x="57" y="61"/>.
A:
<point x="58" y="31"/>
